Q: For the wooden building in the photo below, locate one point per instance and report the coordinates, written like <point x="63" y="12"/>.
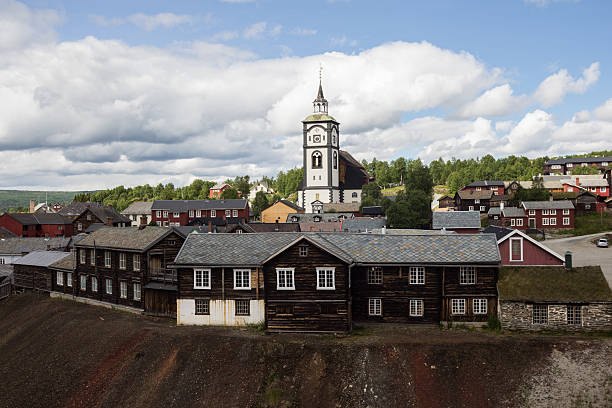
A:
<point x="473" y="200"/>
<point x="178" y="213"/>
<point x="587" y="203"/>
<point x="32" y="271"/>
<point x="36" y="225"/>
<point x="518" y="249"/>
<point x="497" y="187"/>
<point x="447" y="202"/>
<point x="99" y="215"/>
<point x="549" y="214"/>
<point x="566" y="165"/>
<point x="279" y="211"/>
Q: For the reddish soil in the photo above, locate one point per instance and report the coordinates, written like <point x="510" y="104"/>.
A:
<point x="56" y="353"/>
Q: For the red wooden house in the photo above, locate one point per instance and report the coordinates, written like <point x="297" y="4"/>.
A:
<point x="178" y="213"/>
<point x="549" y="214"/>
<point x="218" y="189"/>
<point x="37" y="225"/>
<point x="518" y="249"/>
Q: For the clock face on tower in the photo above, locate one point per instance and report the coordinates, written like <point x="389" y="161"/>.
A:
<point x="317" y="138"/>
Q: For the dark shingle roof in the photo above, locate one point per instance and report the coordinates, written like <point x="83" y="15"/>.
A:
<point x="186" y="205"/>
<point x="291" y="205"/>
<point x="37" y="219"/>
<point x="553" y="205"/>
<point x="139" y="207"/>
<point x="513" y="212"/>
<point x="266" y="227"/>
<point x="473" y="194"/>
<point x="580" y="160"/>
<point x="362" y="224"/>
<point x="102" y="213"/>
<point x="553" y="284"/>
<point x="67" y="263"/>
<point x="125" y="238"/>
<point x="373" y="210"/>
<point x="328" y="226"/>
<point x="499" y="232"/>
<point x="26" y="245"/>
<point x="494" y="211"/>
<point x="41" y="258"/>
<point x="486" y="183"/>
<point x="76" y="208"/>
<point x="456" y="219"/>
<point x="310" y="217"/>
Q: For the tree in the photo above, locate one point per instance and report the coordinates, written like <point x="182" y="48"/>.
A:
<point x="229" y="194"/>
<point x="578" y="171"/>
<point x="529" y="194"/>
<point x="410" y="210"/>
<point x="242" y="185"/>
<point x="260" y="203"/>
<point x="418" y="177"/>
<point x="370" y="195"/>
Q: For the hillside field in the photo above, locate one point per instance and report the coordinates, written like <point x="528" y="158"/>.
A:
<point x="21" y="198"/>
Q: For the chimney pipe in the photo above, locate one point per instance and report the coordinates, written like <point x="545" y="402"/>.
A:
<point x="31" y="206"/>
<point x="209" y="226"/>
<point x="501" y="206"/>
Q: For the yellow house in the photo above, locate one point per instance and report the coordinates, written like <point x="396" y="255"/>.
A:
<point x="279" y="211"/>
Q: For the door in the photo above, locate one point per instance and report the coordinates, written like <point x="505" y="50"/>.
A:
<point x="532" y="223"/>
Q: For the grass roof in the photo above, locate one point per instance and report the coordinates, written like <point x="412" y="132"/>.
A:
<point x="554" y="284"/>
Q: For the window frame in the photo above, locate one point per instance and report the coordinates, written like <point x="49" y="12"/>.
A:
<point x="326" y="269"/>
<point x="566" y="220"/>
<point x="373" y="275"/>
<point x="576" y="315"/>
<point x="122" y="261"/>
<point x="158" y="214"/>
<point x="204" y="272"/>
<point x="213" y="213"/>
<point x="417" y="270"/>
<point x="244" y="302"/>
<point x="520" y="241"/>
<point x="108" y="281"/>
<point x="552" y="221"/>
<point x="234" y="213"/>
<point x="419" y="308"/>
<point x="463" y="278"/>
<point x="83" y="282"/>
<point x="82" y="256"/>
<point x="286" y="272"/>
<point x="203" y="302"/>
<point x="457" y="305"/>
<point x="532" y="212"/>
<point x="542" y="319"/>
<point x="176" y="214"/>
<point x="94" y="284"/>
<point x="123" y="289"/>
<point x="136" y="262"/>
<point x="566" y="211"/>
<point x="303" y="251"/>
<point x="545" y="221"/>
<point x="374" y="306"/>
<point x="108" y="260"/>
<point x="137" y="285"/>
<point x="228" y="213"/>
<point x="198" y="213"/>
<point x="519" y="222"/>
<point x="480" y="306"/>
<point x="69" y="279"/>
<point x="191" y="213"/>
<point x="92" y="256"/>
<point x="241" y="271"/>
<point x="59" y="278"/>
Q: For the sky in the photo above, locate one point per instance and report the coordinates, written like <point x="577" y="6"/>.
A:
<point x="99" y="94"/>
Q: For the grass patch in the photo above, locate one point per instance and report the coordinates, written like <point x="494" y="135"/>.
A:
<point x="258" y="327"/>
<point x="590" y="224"/>
<point x="392" y="191"/>
<point x="441" y="189"/>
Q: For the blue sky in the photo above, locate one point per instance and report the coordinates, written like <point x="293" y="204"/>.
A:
<point x="411" y="78"/>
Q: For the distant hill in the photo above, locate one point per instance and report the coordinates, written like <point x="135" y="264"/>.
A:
<point x="21" y="198"/>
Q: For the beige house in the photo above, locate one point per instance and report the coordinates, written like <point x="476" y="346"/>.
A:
<point x="279" y="211"/>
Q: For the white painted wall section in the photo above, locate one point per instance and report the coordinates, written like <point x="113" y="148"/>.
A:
<point x="222" y="313"/>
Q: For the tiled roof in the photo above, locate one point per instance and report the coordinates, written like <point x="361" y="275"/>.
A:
<point x="473" y="194"/>
<point x="310" y="217"/>
<point x="580" y="160"/>
<point x="267" y="227"/>
<point x="39" y="219"/>
<point x="513" y="212"/>
<point x="24" y="245"/>
<point x="67" y="263"/>
<point x="41" y="258"/>
<point x="254" y="249"/>
<point x="499" y="232"/>
<point x="340" y="207"/>
<point x="125" y="238"/>
<point x="328" y="226"/>
<point x="409" y="231"/>
<point x="548" y="205"/>
<point x="456" y="219"/>
<point x="362" y="224"/>
<point x="186" y="205"/>
<point x="486" y="183"/>
<point x="139" y="207"/>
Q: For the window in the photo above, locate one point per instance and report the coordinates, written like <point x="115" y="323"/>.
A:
<point x="477" y="201"/>
<point x="574" y="315"/>
<point x="303" y="250"/>
<point x="603" y="189"/>
<point x="94" y="284"/>
<point x="284" y="309"/>
<point x="83" y="256"/>
<point x="540" y="314"/>
<point x="316" y="160"/>
<point x="242" y="279"/>
<point x="375" y="307"/>
<point x="234" y="213"/>
<point x="566" y="212"/>
<point x="544" y="212"/>
<point x="604" y="164"/>
<point x="80" y="227"/>
<point x="198" y="213"/>
<point x="202" y="306"/>
<point x="417" y="275"/>
<point x="191" y="212"/>
<point x="69" y="279"/>
<point x="416" y="307"/>
<point x="512" y="222"/>
<point x="584" y="164"/>
<point x="165" y="223"/>
<point x="107" y="259"/>
<point x="516" y="249"/>
<point x="242" y="307"/>
<point x="479" y="306"/>
<point x="137" y="291"/>
<point x="570" y="189"/>
<point x="458" y="306"/>
<point x="326" y="278"/>
<point x="213" y="213"/>
<point x="284" y="279"/>
<point x="175" y="215"/>
<point x="544" y="221"/>
<point x="354" y="195"/>
<point x="123" y="289"/>
<point x="2" y="261"/>
<point x="201" y="278"/>
<point x="92" y="257"/>
<point x="471" y="208"/>
<point x="531" y="212"/>
<point x="553" y="221"/>
<point x="467" y="275"/>
<point x="59" y="278"/>
<point x="228" y="213"/>
<point x="570" y="165"/>
<point x="88" y="217"/>
<point x="483" y="208"/>
<point x="83" y="282"/>
<point x="109" y="286"/>
<point x="566" y="221"/>
<point x="136" y="262"/>
<point x="555" y="166"/>
<point x="165" y="214"/>
<point x="375" y="275"/>
<point x="158" y="214"/>
<point x="335" y="159"/>
<point x="478" y="188"/>
<point x="122" y="260"/>
<point x="552" y="212"/>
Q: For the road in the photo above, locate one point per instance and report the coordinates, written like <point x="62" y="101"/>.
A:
<point x="584" y="252"/>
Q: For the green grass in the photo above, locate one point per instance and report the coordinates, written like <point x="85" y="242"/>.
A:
<point x="21" y="198"/>
<point x="392" y="191"/>
<point x="590" y="224"/>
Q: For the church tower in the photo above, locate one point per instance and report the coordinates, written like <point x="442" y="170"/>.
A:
<point x="321" y="183"/>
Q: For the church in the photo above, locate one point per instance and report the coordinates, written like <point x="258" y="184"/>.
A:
<point x="331" y="175"/>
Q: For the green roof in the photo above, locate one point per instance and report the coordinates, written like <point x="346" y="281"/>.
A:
<point x="553" y="284"/>
<point x="317" y="117"/>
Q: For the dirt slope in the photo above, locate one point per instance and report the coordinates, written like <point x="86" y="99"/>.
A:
<point x="57" y="353"/>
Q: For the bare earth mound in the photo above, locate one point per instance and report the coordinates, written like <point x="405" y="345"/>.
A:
<point x="57" y="353"/>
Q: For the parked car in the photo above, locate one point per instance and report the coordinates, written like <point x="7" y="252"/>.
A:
<point x="602" y="242"/>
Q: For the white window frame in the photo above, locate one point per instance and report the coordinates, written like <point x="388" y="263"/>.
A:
<point x="79" y="227"/>
<point x="228" y="213"/>
<point x="553" y="221"/>
<point x="603" y="189"/>
<point x="83" y="282"/>
<point x="198" y="213"/>
<point x="604" y="164"/>
<point x="69" y="279"/>
<point x="122" y="260"/>
<point x="234" y="213"/>
<point x="108" y="286"/>
<point x="166" y="214"/>
<point x="158" y="214"/>
<point x="136" y="262"/>
<point x="374" y="307"/>
<point x="205" y="275"/>
<point x="531" y="212"/>
<point x="463" y="276"/>
<point x="512" y="222"/>
<point x="303" y="250"/>
<point x="213" y="213"/>
<point x="107" y="259"/>
<point x="205" y="304"/>
<point x="570" y="165"/>
<point x="458" y="306"/>
<point x="566" y="221"/>
<point x="544" y="221"/>
<point x="552" y="212"/>
<point x="482" y="208"/>
<point x="242" y="273"/>
<point x="326" y="270"/>
<point x="416" y="308"/>
<point x="137" y="289"/>
<point x="176" y="215"/>
<point x="477" y="201"/>
<point x="478" y="188"/>
<point x="544" y="212"/>
<point x="520" y="240"/>
<point x="59" y="278"/>
<point x="123" y="289"/>
<point x="191" y="213"/>
<point x="373" y="275"/>
<point x="92" y="256"/>
<point x="94" y="283"/>
<point x="519" y="222"/>
<point x="248" y="305"/>
<point x="284" y="273"/>
<point x="82" y="256"/>
<point x="417" y="275"/>
<point x="471" y="208"/>
<point x="566" y="211"/>
<point x="479" y="306"/>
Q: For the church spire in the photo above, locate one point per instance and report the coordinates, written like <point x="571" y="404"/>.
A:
<point x="320" y="104"/>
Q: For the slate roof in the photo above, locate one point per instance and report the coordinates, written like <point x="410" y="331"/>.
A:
<point x="22" y="245"/>
<point x="102" y="213"/>
<point x="125" y="238"/>
<point x="355" y="176"/>
<point x="94" y="227"/>
<point x="362" y="224"/>
<point x="580" y="160"/>
<point x="499" y="232"/>
<point x="473" y="194"/>
<point x="456" y="219"/>
<point x="76" y="208"/>
<point x="494" y="211"/>
<point x="186" y="205"/>
<point x="487" y="183"/>
<point x="546" y="205"/>
<point x="67" y="263"/>
<point x="328" y="226"/>
<point x="310" y="217"/>
<point x="254" y="249"/>
<point x="599" y="182"/>
<point x="513" y="212"/>
<point x="139" y="207"/>
<point x="409" y="231"/>
<point x="291" y="205"/>
<point x="266" y="227"/>
<point x="41" y="258"/>
<point x="38" y="219"/>
<point x="340" y="207"/>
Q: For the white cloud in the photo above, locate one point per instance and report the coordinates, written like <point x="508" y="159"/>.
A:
<point x="496" y="102"/>
<point x="21" y="26"/>
<point x="225" y="36"/>
<point x="148" y="22"/>
<point x="255" y="31"/>
<point x="303" y="31"/>
<point x="554" y="88"/>
<point x="604" y="112"/>
<point x="342" y="41"/>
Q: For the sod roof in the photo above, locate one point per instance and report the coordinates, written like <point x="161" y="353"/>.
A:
<point x="553" y="284"/>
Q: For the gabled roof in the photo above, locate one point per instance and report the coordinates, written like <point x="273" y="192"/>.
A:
<point x="499" y="232"/>
<point x="287" y="203"/>
<point x="39" y="219"/>
<point x="580" y="160"/>
<point x="340" y="207"/>
<point x="494" y="211"/>
<point x="486" y="183"/>
<point x="41" y="258"/>
<point x="362" y="224"/>
<point x="67" y="263"/>
<point x="102" y="213"/>
<point x="22" y="245"/>
<point x="186" y="205"/>
<point x="138" y="208"/>
<point x="553" y="284"/>
<point x="219" y="186"/>
<point x="76" y="208"/>
<point x="475" y="195"/>
<point x="130" y="238"/>
<point x="328" y="226"/>
<point x="310" y="217"/>
<point x="533" y="241"/>
<point x="513" y="212"/>
<point x="456" y="219"/>
<point x="548" y="205"/>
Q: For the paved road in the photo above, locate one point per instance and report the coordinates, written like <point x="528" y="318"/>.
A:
<point x="584" y="252"/>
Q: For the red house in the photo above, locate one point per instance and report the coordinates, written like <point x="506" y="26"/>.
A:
<point x="178" y="213"/>
<point x="598" y="186"/>
<point x="549" y="214"/>
<point x="218" y="189"/>
<point x="36" y="225"/>
<point x="518" y="249"/>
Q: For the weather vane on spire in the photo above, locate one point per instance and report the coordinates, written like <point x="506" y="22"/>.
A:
<point x="320" y="71"/>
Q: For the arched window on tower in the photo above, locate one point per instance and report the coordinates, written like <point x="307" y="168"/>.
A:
<point x="335" y="160"/>
<point x="316" y="160"/>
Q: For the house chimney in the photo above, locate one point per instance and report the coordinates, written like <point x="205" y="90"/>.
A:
<point x="209" y="226"/>
<point x="109" y="221"/>
<point x="383" y="230"/>
<point x="568" y="260"/>
<point x="143" y="220"/>
<point x="48" y="247"/>
<point x="31" y="206"/>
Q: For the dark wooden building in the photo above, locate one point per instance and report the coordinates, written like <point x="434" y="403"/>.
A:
<point x="473" y="200"/>
<point x="447" y="202"/>
<point x="32" y="271"/>
<point x="99" y="215"/>
<point x="176" y="213"/>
